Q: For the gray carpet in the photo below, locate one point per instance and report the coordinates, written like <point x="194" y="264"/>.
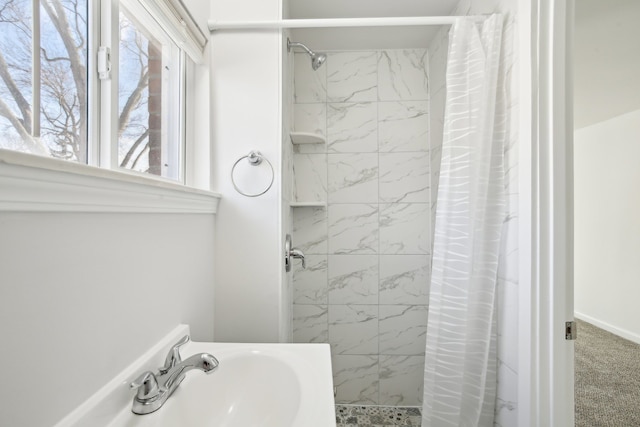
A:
<point x="607" y="379"/>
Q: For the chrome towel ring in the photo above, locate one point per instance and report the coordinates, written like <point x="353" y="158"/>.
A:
<point x="254" y="158"/>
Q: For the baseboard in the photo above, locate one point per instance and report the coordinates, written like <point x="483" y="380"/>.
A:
<point x="631" y="336"/>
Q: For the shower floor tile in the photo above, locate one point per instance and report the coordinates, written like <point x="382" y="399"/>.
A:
<point x="376" y="416"/>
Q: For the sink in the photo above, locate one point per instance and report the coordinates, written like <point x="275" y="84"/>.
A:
<point x="265" y="385"/>
<point x="255" y="385"/>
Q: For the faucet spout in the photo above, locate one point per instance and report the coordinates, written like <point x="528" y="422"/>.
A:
<point x="155" y="389"/>
<point x="297" y="253"/>
<point x="204" y="362"/>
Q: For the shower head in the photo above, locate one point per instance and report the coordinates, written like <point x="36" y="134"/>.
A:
<point x="317" y="59"/>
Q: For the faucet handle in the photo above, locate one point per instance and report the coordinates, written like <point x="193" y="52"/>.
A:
<point x="173" y="358"/>
<point x="297" y="253"/>
<point x="146" y="384"/>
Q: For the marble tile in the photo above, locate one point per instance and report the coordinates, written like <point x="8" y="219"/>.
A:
<point x="508" y="265"/>
<point x="404" y="228"/>
<point x="507" y="307"/>
<point x="353" y="229"/>
<point x="401" y="380"/>
<point x="287" y="171"/>
<point x="436" y="128"/>
<point x="310" y="284"/>
<point x="404" y="177"/>
<point x="404" y="279"/>
<point x="352" y="76"/>
<point x="403" y="126"/>
<point x="403" y="329"/>
<point x="310" y="177"/>
<point x="310" y="118"/>
<point x="353" y="279"/>
<point x="353" y="329"/>
<point x="355" y="379"/>
<point x="310" y="324"/>
<point x="507" y="394"/>
<point x="352" y="128"/>
<point x="353" y="178"/>
<point x="309" y="86"/>
<point x="403" y="75"/>
<point x="438" y="52"/>
<point x="310" y="230"/>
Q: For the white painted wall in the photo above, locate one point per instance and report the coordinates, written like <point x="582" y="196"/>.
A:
<point x="83" y="295"/>
<point x="607" y="88"/>
<point x="246" y="115"/>
<point x="607" y="60"/>
<point x="607" y="224"/>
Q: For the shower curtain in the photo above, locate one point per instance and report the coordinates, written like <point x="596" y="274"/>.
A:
<point x="460" y="357"/>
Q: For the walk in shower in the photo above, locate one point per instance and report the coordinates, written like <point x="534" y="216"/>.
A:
<point x="367" y="138"/>
<point x="364" y="200"/>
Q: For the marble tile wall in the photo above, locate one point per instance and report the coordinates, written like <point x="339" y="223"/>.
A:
<point x="286" y="322"/>
<point x="365" y="289"/>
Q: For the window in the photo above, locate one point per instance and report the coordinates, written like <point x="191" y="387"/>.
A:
<point x="43" y="96"/>
<point x="124" y="111"/>
<point x="150" y="81"/>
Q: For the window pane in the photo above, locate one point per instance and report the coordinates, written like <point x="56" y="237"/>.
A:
<point x="59" y="126"/>
<point x="16" y="132"/>
<point x="63" y="87"/>
<point x="146" y="122"/>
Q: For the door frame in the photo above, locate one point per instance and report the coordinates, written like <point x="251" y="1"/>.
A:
<point x="546" y="364"/>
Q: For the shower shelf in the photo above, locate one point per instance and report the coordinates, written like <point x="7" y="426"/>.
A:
<point x="298" y="138"/>
<point x="308" y="204"/>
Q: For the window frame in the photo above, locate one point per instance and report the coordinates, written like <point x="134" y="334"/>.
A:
<point x="109" y="89"/>
<point x="37" y="183"/>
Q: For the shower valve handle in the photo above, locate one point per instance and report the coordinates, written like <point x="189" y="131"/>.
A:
<point x="290" y="252"/>
<point x="297" y="253"/>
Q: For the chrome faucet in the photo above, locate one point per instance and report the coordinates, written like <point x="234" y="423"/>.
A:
<point x="155" y="389"/>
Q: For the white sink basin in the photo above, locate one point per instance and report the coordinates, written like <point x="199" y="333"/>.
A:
<point x="261" y="385"/>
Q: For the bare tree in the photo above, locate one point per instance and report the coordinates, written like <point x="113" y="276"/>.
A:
<point x="63" y="82"/>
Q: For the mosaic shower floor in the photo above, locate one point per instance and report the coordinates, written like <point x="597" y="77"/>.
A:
<point x="376" y="416"/>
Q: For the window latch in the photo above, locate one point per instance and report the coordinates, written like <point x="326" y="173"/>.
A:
<point x="104" y="63"/>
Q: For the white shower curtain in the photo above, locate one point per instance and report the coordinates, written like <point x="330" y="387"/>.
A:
<point x="460" y="357"/>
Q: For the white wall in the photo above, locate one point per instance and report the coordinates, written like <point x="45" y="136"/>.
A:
<point x="607" y="224"/>
<point x="605" y="142"/>
<point x="83" y="295"/>
<point x="246" y="115"/>
<point x="607" y="60"/>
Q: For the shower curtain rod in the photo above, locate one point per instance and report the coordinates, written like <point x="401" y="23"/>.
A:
<point x="338" y="22"/>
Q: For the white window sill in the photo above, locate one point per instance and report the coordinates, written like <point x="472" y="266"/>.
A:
<point x="38" y="184"/>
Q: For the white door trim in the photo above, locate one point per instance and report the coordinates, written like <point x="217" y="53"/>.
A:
<point x="546" y="377"/>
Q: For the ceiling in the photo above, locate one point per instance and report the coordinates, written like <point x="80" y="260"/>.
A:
<point x="366" y="38"/>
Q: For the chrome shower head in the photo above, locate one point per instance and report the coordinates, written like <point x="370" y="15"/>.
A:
<point x="317" y="59"/>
